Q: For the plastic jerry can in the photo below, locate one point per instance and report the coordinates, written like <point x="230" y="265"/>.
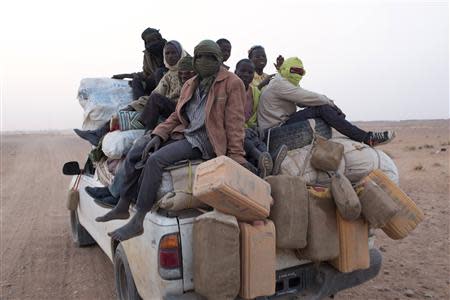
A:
<point x="353" y="245"/>
<point x="258" y="259"/>
<point x="289" y="211"/>
<point x="230" y="188"/>
<point x="408" y="216"/>
<point x="216" y="256"/>
<point x="323" y="239"/>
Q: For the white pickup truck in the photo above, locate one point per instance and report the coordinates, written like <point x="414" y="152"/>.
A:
<point x="159" y="263"/>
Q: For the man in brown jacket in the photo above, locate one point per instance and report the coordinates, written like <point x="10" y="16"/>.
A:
<point x="208" y="121"/>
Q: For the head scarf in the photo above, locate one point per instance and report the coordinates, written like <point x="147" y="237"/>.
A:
<point x="150" y="31"/>
<point x="180" y="52"/>
<point x="156" y="47"/>
<point x="185" y="63"/>
<point x="285" y="70"/>
<point x="207" y="69"/>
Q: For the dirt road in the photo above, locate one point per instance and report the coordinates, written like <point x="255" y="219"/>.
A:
<point x="39" y="261"/>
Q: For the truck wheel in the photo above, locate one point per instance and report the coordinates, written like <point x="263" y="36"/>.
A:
<point x="80" y="236"/>
<point x="125" y="287"/>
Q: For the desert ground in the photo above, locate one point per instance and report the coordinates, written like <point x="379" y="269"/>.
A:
<point x="39" y="260"/>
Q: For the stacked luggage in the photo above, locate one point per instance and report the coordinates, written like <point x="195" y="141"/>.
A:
<point x="235" y="245"/>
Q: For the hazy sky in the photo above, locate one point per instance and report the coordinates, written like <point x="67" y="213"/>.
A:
<point x="379" y="60"/>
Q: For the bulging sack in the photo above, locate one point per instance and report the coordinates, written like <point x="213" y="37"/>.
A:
<point x="326" y="155"/>
<point x="345" y="197"/>
<point x="359" y="160"/>
<point x="101" y="98"/>
<point x="289" y="211"/>
<point x="216" y="256"/>
<point x="179" y="196"/>
<point x="377" y="206"/>
<point x="116" y="144"/>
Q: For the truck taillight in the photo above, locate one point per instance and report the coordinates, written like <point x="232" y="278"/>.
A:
<point x="169" y="256"/>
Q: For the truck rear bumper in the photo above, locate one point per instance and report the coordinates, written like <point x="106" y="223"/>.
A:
<point x="312" y="282"/>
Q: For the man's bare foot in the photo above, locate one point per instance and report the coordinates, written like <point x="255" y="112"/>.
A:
<point x="133" y="228"/>
<point x="114" y="214"/>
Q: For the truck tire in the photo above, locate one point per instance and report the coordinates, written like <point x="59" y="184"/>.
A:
<point x="80" y="236"/>
<point x="297" y="135"/>
<point x="125" y="287"/>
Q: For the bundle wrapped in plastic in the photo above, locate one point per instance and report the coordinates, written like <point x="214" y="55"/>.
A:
<point x="116" y="144"/>
<point x="101" y="98"/>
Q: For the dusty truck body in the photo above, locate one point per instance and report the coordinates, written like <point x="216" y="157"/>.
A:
<point x="159" y="263"/>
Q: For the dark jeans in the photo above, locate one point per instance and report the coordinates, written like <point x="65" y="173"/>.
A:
<point x="332" y="117"/>
<point x="253" y="146"/>
<point x="156" y="106"/>
<point x="145" y="182"/>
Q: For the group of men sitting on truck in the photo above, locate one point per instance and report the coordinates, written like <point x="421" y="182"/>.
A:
<point x="208" y="111"/>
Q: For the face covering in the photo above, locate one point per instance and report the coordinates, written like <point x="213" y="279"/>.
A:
<point x="285" y="70"/>
<point x="206" y="67"/>
<point x="156" y="48"/>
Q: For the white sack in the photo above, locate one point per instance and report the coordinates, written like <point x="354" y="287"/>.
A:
<point x="101" y="98"/>
<point x="358" y="161"/>
<point x="117" y="143"/>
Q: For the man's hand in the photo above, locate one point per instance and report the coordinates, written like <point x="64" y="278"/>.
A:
<point x="114" y="123"/>
<point x="280" y="61"/>
<point x="265" y="82"/>
<point x="128" y="108"/>
<point x="152" y="146"/>
<point x="120" y="76"/>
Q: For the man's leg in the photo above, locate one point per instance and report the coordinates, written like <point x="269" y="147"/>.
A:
<point x="332" y="117"/>
<point x="93" y="136"/>
<point x="151" y="180"/>
<point x="127" y="183"/>
<point x="155" y="107"/>
<point x="258" y="157"/>
<point x="137" y="86"/>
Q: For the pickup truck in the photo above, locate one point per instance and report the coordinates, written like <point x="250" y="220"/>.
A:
<point x="159" y="263"/>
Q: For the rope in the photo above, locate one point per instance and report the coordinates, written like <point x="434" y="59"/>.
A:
<point x="312" y="124"/>
<point x="190" y="183"/>
<point x="77" y="182"/>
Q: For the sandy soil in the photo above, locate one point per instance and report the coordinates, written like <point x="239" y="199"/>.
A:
<point x="39" y="261"/>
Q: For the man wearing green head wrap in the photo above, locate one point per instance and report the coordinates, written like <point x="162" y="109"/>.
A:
<point x="208" y="121"/>
<point x="280" y="99"/>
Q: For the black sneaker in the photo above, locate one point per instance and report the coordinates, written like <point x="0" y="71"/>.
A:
<point x="380" y="138"/>
<point x="88" y="135"/>
<point x="278" y="158"/>
<point x="98" y="192"/>
<point x="107" y="202"/>
<point x="93" y="136"/>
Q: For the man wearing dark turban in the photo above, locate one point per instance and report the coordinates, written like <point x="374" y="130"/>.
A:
<point x="208" y="122"/>
<point x="144" y="82"/>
